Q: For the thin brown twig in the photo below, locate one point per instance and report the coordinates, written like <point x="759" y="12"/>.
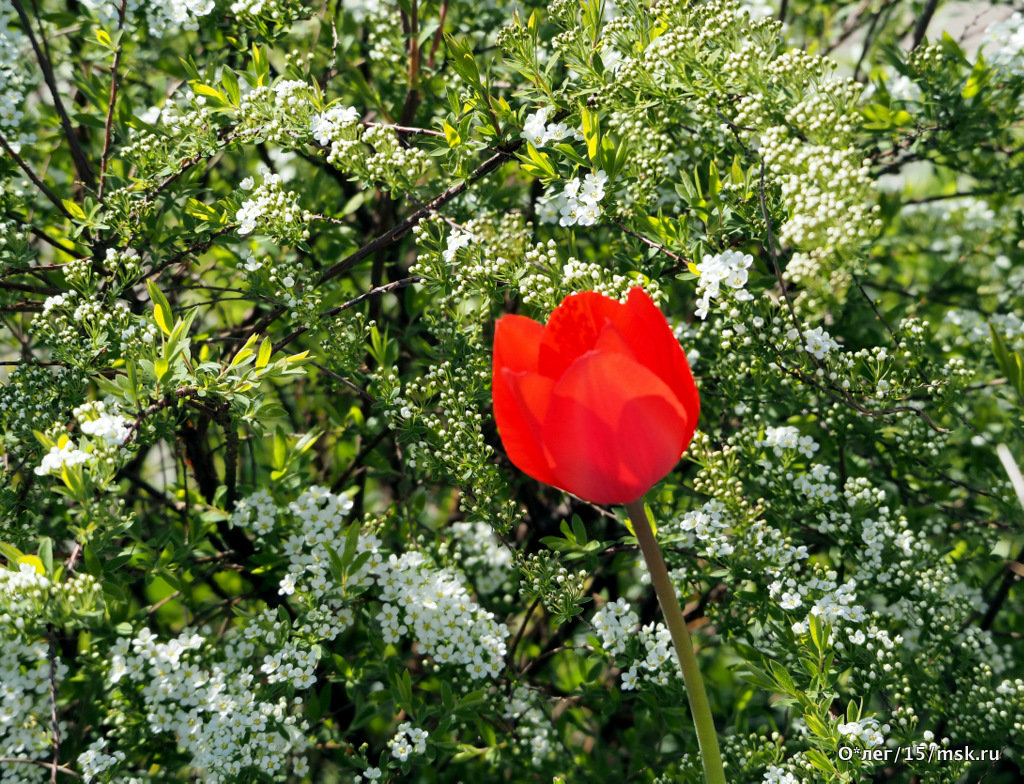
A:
<point x="82" y="166"/>
<point x="404" y="227"/>
<point x="108" y="126"/>
<point x="439" y="35"/>
<point x="43" y="188"/>
<point x="41" y="764"/>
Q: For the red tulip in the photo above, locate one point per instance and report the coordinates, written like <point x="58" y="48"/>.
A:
<point x="600" y="402"/>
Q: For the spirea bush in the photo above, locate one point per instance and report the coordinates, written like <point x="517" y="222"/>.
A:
<point x="256" y="522"/>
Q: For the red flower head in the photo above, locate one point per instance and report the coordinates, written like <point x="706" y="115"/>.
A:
<point x="600" y="402"/>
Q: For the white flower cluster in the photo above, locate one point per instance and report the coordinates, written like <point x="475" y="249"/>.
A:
<point x="94" y="761"/>
<point x="108" y="430"/>
<point x="269" y="207"/>
<point x="973" y="327"/>
<point x="579" y="203"/>
<point x="27" y="594"/>
<point x="256" y="513"/>
<point x="337" y="123"/>
<point x="58" y="458"/>
<point x="817" y="342"/>
<point x="387" y="161"/>
<point x="658" y="663"/>
<point x="482" y="555"/>
<point x="818" y="483"/>
<point x="768" y="546"/>
<point x="539" y="288"/>
<point x="867" y="732"/>
<point x="94" y="420"/>
<point x="616" y="626"/>
<point x="835" y="603"/>
<point x="731" y="268"/>
<point x="276" y="10"/>
<point x="1003" y="44"/>
<point x="291" y="664"/>
<point x="777" y="775"/>
<point x="370" y="775"/>
<point x="321" y="517"/>
<point x="407" y="740"/>
<point x="533" y="727"/>
<point x="457" y="240"/>
<point x="838" y="603"/>
<point x="16" y="81"/>
<point x="435" y="607"/>
<point x="782" y="439"/>
<point x="431" y="604"/>
<point x="25" y="728"/>
<point x="708" y="525"/>
<point x="216" y="710"/>
<point x="829" y="194"/>
<point x="538" y="131"/>
<point x="161" y="15"/>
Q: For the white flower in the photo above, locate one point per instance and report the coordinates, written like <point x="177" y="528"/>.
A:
<point x="593" y="186"/>
<point x="287" y="584"/>
<point x="535" y="126"/>
<point x="818" y="343"/>
<point x="56" y="459"/>
<point x="246" y="184"/>
<point x="112" y="428"/>
<point x="588" y="214"/>
<point x="730" y="268"/>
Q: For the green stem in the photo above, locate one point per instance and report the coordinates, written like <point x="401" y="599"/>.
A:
<point x="699" y="706"/>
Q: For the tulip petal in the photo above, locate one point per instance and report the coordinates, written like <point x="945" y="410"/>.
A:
<point x="647" y="331"/>
<point x="521" y="396"/>
<point x="573" y="329"/>
<point x="613" y="429"/>
<point x="521" y="404"/>
<point x="517" y="343"/>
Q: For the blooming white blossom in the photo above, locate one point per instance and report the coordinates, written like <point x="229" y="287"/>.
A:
<point x="326" y="127"/>
<point x="407" y="740"/>
<point x="780" y="439"/>
<point x="579" y="202"/>
<point x="457" y="240"/>
<point x="867" y="731"/>
<point x="61" y="457"/>
<point x="1003" y="44"/>
<point x="95" y="420"/>
<point x="729" y="268"/>
<point x="818" y="343"/>
<point x="537" y="131"/>
<point x="777" y="775"/>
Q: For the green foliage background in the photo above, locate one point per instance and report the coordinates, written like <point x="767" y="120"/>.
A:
<point x="272" y="238"/>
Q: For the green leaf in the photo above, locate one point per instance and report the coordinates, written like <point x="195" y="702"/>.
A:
<point x="451" y="134"/>
<point x="210" y="92"/>
<point x="463" y="61"/>
<point x="161" y="307"/>
<point x="817" y="726"/>
<point x="230" y="82"/>
<point x="266" y="347"/>
<point x="783" y="678"/>
<point x="592" y="133"/>
<point x="819" y="760"/>
<point x="160" y="368"/>
<point x="74" y="209"/>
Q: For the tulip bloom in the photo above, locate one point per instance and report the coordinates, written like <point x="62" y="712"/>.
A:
<point x="600" y="401"/>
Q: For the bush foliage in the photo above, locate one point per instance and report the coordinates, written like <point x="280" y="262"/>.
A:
<point x="256" y="523"/>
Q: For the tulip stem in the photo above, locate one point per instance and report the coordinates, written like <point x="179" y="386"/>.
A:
<point x="707" y="739"/>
